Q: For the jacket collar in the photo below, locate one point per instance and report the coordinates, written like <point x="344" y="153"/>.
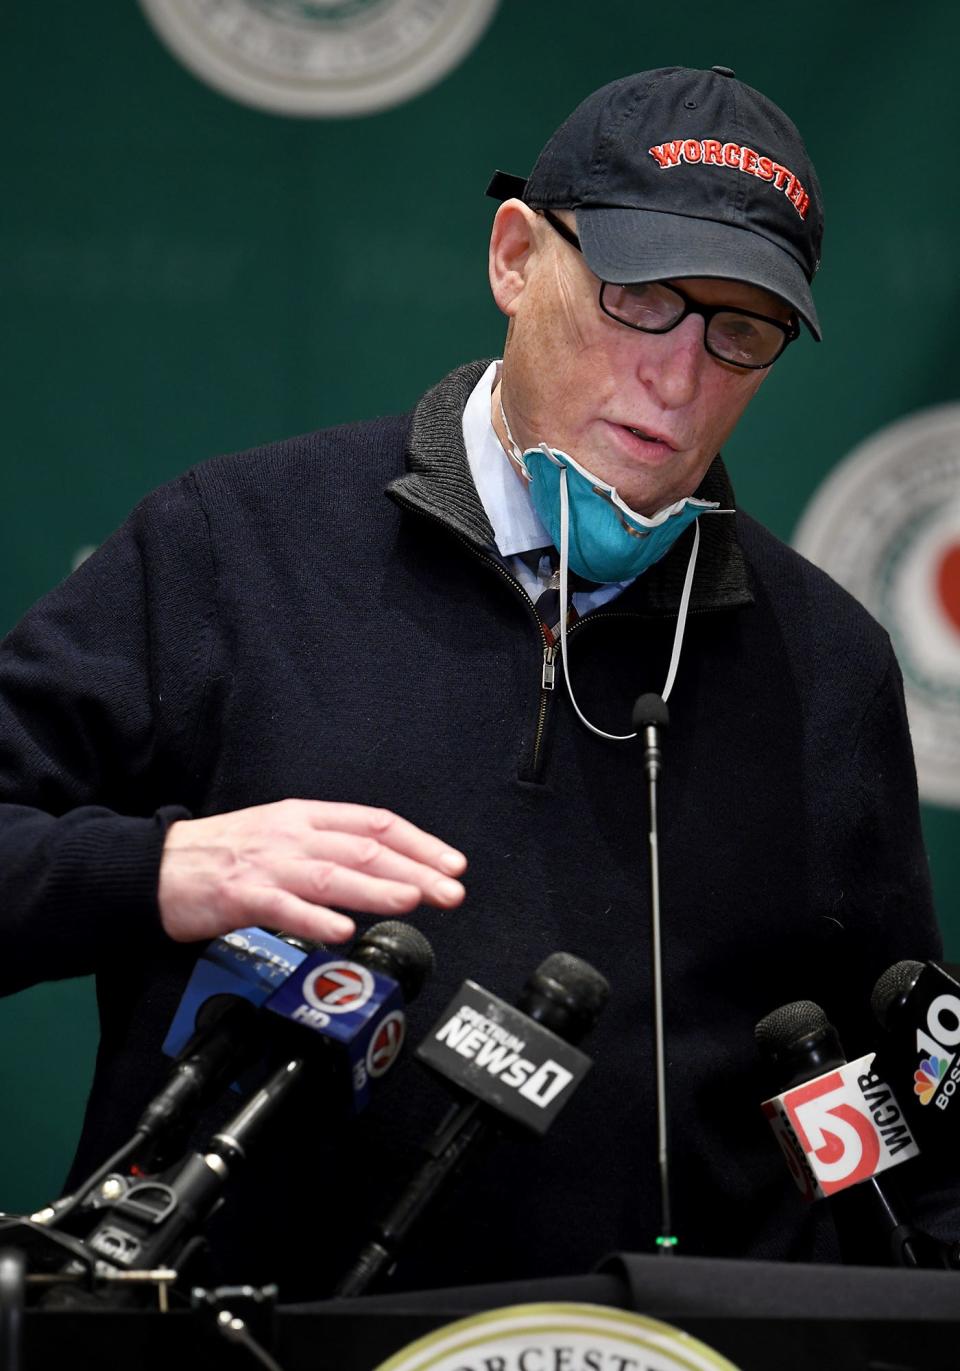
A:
<point x="438" y="483"/>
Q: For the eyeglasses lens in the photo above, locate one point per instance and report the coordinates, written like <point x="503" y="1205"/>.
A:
<point x="744" y="341"/>
<point x="733" y="337"/>
<point x="652" y="307"/>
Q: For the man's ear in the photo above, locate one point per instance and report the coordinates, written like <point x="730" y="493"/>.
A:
<point x="513" y="243"/>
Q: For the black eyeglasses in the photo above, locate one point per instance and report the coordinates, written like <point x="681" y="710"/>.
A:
<point x="739" y="337"/>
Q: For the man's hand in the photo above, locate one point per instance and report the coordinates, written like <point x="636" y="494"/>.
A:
<point x="284" y="865"/>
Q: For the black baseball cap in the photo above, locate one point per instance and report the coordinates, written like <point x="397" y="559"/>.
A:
<point x="678" y="172"/>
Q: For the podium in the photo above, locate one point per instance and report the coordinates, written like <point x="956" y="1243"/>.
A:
<point x="762" y="1316"/>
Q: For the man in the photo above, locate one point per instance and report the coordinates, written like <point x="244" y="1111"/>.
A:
<point x="221" y="717"/>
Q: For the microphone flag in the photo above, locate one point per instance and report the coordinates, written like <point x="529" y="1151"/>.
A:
<point x="501" y="1056"/>
<point x="840" y="1128"/>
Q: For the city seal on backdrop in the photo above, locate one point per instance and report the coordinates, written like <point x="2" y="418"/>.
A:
<point x="327" y="58"/>
<point x="886" y="524"/>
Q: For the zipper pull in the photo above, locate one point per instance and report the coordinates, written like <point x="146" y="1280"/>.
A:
<point x="549" y="668"/>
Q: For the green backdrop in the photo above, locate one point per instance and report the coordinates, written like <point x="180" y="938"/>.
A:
<point x="182" y="275"/>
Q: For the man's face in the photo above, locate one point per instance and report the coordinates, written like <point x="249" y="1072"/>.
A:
<point x="646" y="413"/>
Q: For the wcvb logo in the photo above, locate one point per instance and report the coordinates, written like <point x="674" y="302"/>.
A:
<point x="839" y="1139"/>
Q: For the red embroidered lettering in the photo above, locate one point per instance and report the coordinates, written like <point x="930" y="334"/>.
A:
<point x="711" y="152"/>
<point x="667" y="154"/>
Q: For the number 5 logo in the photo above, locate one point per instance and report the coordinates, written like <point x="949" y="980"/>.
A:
<point x="839" y="1139"/>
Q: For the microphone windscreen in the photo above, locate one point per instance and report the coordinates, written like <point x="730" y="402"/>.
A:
<point x="565" y="994"/>
<point x="790" y="1025"/>
<point x="893" y="987"/>
<point x="398" y="950"/>
<point x="650" y="709"/>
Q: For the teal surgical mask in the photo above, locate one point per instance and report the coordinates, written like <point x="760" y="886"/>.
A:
<point x="608" y="541"/>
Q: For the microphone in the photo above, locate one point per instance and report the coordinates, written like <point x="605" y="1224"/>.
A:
<point x="154" y="1219"/>
<point x="918" y="1006"/>
<point x="839" y="1125"/>
<point x="520" y="1060"/>
<point x="355" y="1004"/>
<point x="516" y="1063"/>
<point x="215" y="1027"/>
<point x="650" y="714"/>
<point x="247" y="964"/>
<point x="214" y="1031"/>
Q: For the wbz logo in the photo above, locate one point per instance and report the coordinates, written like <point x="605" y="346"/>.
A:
<point x="840" y="1128"/>
<point x="936" y="1077"/>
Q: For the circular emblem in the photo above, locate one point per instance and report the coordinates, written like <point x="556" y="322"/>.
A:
<point x="386" y="1043"/>
<point x="886" y="525"/>
<point x="320" y="57"/>
<point x="338" y="987"/>
<point x="528" y="1337"/>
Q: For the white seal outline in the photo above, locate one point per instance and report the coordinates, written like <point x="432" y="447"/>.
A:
<point x="202" y="35"/>
<point x="887" y="500"/>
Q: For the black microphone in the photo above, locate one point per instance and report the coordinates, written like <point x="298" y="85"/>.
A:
<point x="918" y="1006"/>
<point x="840" y="1126"/>
<point x="359" y="1035"/>
<point x="227" y="994"/>
<point x="515" y="1063"/>
<point x="216" y="1027"/>
<point x="650" y="714"/>
<point x="215" y="1030"/>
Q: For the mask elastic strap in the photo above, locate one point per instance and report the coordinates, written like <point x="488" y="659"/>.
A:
<point x="515" y="454"/>
<point x="682" y="614"/>
<point x="565" y="600"/>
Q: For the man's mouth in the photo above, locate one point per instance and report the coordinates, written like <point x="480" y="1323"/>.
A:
<point x="648" y="437"/>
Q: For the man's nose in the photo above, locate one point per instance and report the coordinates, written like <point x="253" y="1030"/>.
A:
<point x="672" y="365"/>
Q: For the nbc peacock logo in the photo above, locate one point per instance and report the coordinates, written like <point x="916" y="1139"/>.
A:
<point x="928" y="1076"/>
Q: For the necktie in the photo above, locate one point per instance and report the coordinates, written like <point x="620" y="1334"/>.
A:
<point x="548" y="601"/>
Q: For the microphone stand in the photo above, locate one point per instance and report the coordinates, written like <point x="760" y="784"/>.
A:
<point x="649" y="715"/>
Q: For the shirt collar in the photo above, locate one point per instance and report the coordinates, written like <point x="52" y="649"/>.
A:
<point x="503" y="493"/>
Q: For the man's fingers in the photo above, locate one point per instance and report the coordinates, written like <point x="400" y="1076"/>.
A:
<point x="328" y="883"/>
<point x="390" y="830"/>
<point x="272" y="907"/>
<point x="371" y="856"/>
